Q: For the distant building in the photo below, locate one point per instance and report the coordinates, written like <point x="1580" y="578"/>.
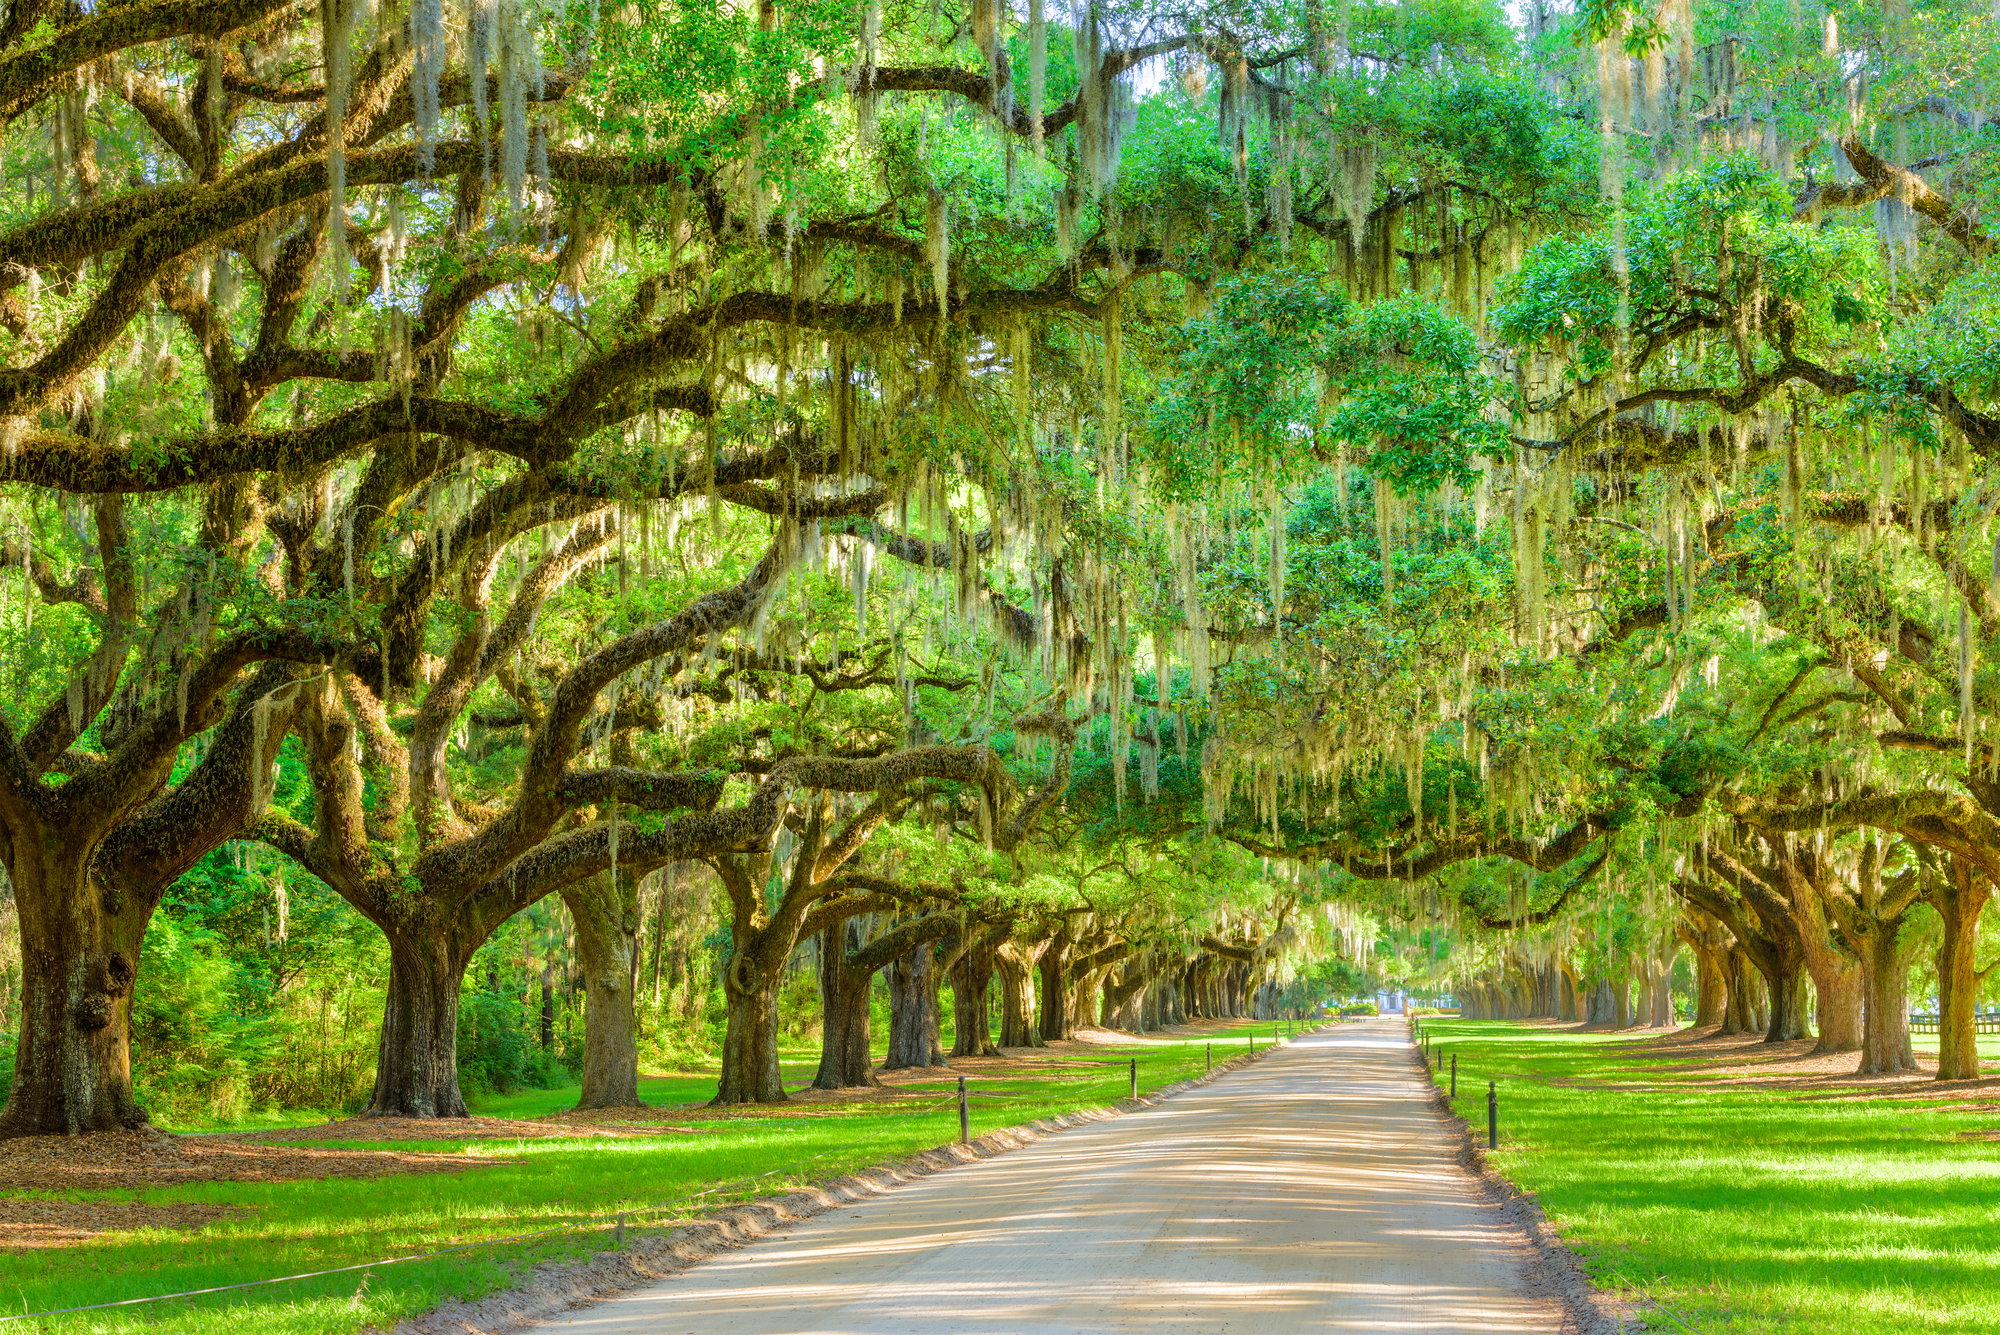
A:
<point x="1395" y="1001"/>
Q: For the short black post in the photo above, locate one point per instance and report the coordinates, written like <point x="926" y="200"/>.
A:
<point x="1211" y="1055"/>
<point x="1492" y="1116"/>
<point x="1253" y="1040"/>
<point x="1454" y="1075"/>
<point x="964" y="1115"/>
<point x="1135" y="1077"/>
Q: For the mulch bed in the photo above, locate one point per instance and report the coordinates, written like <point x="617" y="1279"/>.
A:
<point x="34" y="1168"/>
<point x="111" y="1160"/>
<point x="34" y="1223"/>
<point x="597" y="1122"/>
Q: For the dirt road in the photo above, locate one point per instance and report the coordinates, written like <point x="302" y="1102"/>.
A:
<point x="1310" y="1191"/>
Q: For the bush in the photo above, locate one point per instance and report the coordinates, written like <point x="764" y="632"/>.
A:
<point x="497" y="1048"/>
<point x="194" y="1053"/>
<point x="1360" y="1008"/>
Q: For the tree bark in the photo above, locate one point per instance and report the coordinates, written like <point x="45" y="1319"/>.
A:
<point x="750" y="1035"/>
<point x="1786" y="983"/>
<point x="607" y="944"/>
<point x="1959" y="898"/>
<point x="1711" y="989"/>
<point x="79" y="961"/>
<point x="1836" y="972"/>
<point x="1017" y="1027"/>
<point x="844" y="1024"/>
<point x="1745" y="1015"/>
<point x="1052" y="1011"/>
<point x="913" y="1012"/>
<point x="1837" y="1009"/>
<point x="416" y="1069"/>
<point x="1885" y="1033"/>
<point x="971" y="1017"/>
<point x="1570" y="1006"/>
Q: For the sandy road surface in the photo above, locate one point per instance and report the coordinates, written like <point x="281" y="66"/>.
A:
<point x="1310" y="1191"/>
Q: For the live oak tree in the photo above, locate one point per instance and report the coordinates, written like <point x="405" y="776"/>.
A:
<point x="361" y="302"/>
<point x="1513" y="473"/>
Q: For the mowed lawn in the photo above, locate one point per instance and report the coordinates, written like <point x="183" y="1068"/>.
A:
<point x="1743" y="1210"/>
<point x="531" y="1184"/>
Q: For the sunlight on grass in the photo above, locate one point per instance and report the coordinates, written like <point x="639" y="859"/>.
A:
<point x="564" y="1183"/>
<point x="1742" y="1210"/>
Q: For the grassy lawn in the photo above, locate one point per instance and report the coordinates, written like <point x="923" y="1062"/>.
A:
<point x="532" y="1184"/>
<point x="1743" y="1210"/>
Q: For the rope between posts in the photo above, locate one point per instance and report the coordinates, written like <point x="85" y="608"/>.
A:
<point x="588" y="1222"/>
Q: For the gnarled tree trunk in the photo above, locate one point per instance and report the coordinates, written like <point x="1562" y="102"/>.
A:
<point x="1711" y="974"/>
<point x="1017" y="1026"/>
<point x="913" y="1012"/>
<point x="1959" y="898"/>
<point x="1885" y="1031"/>
<point x="416" y="1067"/>
<point x="750" y="1033"/>
<point x="1052" y="1010"/>
<point x="971" y="1008"/>
<point x="79" y="961"/>
<point x="606" y="915"/>
<point x="1786" y="984"/>
<point x="1837" y="1008"/>
<point x="1836" y="973"/>
<point x="844" y="1060"/>
<point x="1746" y="1014"/>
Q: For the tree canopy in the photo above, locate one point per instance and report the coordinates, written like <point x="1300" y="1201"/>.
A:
<point x="1153" y="496"/>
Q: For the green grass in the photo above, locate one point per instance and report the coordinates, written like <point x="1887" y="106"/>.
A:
<point x="1742" y="1210"/>
<point x="530" y="1184"/>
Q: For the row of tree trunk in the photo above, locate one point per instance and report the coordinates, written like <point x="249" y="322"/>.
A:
<point x="1042" y="990"/>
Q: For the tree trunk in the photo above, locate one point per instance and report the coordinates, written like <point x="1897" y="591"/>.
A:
<point x="1569" y="1006"/>
<point x="750" y="1036"/>
<point x="548" y="1014"/>
<point x="1017" y="1027"/>
<point x="1663" y="1002"/>
<point x="1711" y="989"/>
<point x="1787" y="985"/>
<point x="1838" y="1009"/>
<point x="971" y="1020"/>
<point x="607" y="946"/>
<point x="1598" y="1009"/>
<point x="416" y="1071"/>
<point x="1959" y="901"/>
<point x="843" y="991"/>
<point x="1885" y="1029"/>
<point x="79" y="960"/>
<point x="1052" y="1010"/>
<point x="1836" y="975"/>
<point x="913" y="1012"/>
<point x="1745" y="1008"/>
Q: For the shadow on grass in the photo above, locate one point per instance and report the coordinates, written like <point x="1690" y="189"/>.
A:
<point x="1744" y="1209"/>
